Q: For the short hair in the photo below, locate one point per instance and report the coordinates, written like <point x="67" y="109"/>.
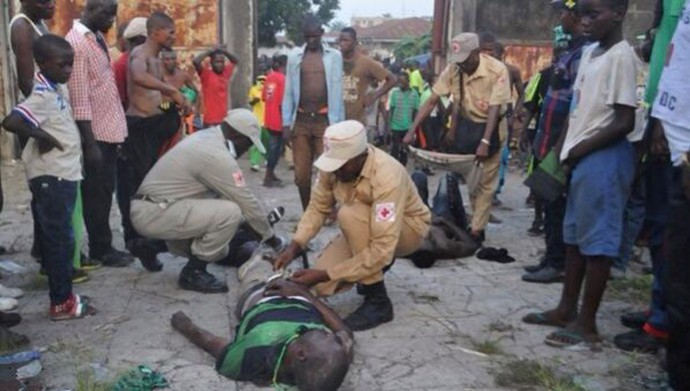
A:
<point x="311" y="22"/>
<point x="320" y="371"/>
<point x="49" y="46"/>
<point x="405" y="74"/>
<point x="158" y="20"/>
<point x="279" y="61"/>
<point x="487" y="37"/>
<point x="500" y="49"/>
<point x="619" y="4"/>
<point x="351" y="31"/>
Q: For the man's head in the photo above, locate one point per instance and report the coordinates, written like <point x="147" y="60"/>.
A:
<point x="404" y="80"/>
<point x="99" y="15"/>
<point x="464" y="51"/>
<point x="412" y="65"/>
<point x="55" y="57"/>
<point x="347" y="40"/>
<point x="318" y="361"/>
<point x="242" y="128"/>
<point x="160" y="29"/>
<point x="312" y="30"/>
<point x="39" y="9"/>
<point x="601" y="18"/>
<point x="279" y="62"/>
<point x="487" y="43"/>
<point x="169" y="60"/>
<point x="217" y="62"/>
<point x="569" y="17"/>
<point x="260" y="79"/>
<point x="135" y="33"/>
<point x="344" y="150"/>
<point x="429" y="76"/>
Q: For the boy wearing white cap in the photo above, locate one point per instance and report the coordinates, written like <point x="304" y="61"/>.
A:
<point x="381" y="217"/>
<point x="195" y="198"/>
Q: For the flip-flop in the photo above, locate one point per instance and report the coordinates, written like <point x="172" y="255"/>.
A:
<point x="540" y="318"/>
<point x="567" y="339"/>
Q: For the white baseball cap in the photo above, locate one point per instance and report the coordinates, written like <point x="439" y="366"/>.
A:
<point x="341" y="142"/>
<point x="135" y="28"/>
<point x="245" y="122"/>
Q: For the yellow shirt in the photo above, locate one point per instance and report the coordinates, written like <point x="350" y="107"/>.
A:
<point x="259" y="108"/>
<point x="387" y="188"/>
<point x="489" y="85"/>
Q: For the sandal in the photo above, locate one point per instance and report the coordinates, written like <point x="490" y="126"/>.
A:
<point x="568" y="339"/>
<point x="74" y="308"/>
<point x="542" y="319"/>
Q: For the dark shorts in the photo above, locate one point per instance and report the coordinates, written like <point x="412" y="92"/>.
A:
<point x="599" y="189"/>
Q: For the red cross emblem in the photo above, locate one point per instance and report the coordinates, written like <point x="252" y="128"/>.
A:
<point x="456" y="47"/>
<point x="385" y="212"/>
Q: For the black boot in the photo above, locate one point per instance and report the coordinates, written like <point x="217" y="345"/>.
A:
<point x="194" y="277"/>
<point x="145" y="250"/>
<point x="376" y="309"/>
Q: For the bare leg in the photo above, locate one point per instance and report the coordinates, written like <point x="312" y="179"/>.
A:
<point x="305" y="196"/>
<point x="598" y="270"/>
<point x="575" y="267"/>
<point x="210" y="343"/>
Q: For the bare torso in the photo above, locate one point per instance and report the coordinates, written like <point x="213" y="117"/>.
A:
<point x="314" y="91"/>
<point x="143" y="101"/>
<point x="177" y="79"/>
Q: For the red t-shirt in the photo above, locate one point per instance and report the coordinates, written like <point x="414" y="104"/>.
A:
<point x="214" y="88"/>
<point x="120" y="70"/>
<point x="274" y="88"/>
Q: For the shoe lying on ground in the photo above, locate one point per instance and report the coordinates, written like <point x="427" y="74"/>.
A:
<point x="199" y="280"/>
<point x="8" y="304"/>
<point x="89" y="264"/>
<point x="9" y="319"/>
<point x="74" y="308"/>
<point x="495" y="255"/>
<point x="147" y="254"/>
<point x="116" y="258"/>
<point x="635" y="320"/>
<point x="637" y="341"/>
<point x="545" y="275"/>
<point x="13" y="293"/>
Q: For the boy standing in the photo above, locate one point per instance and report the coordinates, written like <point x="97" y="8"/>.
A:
<point x="53" y="166"/>
<point x="272" y="94"/>
<point x="601" y="162"/>
<point x="404" y="103"/>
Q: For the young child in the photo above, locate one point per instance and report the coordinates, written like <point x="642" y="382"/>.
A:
<point x="53" y="168"/>
<point x="600" y="158"/>
<point x="403" y="103"/>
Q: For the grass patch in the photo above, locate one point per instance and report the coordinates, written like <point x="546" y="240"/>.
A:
<point x="488" y="347"/>
<point x="635" y="289"/>
<point x="533" y="375"/>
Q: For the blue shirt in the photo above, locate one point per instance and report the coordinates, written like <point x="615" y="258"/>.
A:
<point x="333" y="65"/>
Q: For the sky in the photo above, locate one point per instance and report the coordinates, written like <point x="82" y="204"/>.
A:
<point x="397" y="8"/>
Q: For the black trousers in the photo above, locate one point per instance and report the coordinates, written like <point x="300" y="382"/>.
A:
<point x="97" y="197"/>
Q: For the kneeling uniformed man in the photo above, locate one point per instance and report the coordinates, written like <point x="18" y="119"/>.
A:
<point x="195" y="198"/>
<point x="380" y="214"/>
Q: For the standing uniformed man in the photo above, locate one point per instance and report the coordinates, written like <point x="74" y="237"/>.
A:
<point x="381" y="217"/>
<point x="195" y="198"/>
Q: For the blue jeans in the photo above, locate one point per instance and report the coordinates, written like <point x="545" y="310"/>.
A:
<point x="55" y="199"/>
<point x="275" y="148"/>
<point x="554" y="213"/>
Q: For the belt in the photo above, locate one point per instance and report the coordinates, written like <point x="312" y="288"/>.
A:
<point x="321" y="112"/>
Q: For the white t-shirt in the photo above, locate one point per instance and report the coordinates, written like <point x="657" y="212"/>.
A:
<point x="602" y="81"/>
<point x="48" y="108"/>
<point x="672" y="104"/>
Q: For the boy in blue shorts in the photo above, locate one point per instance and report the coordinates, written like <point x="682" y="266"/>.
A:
<point x="53" y="168"/>
<point x="601" y="164"/>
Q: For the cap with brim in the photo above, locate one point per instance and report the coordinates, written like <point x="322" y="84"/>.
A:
<point x="461" y="46"/>
<point x="341" y="142"/>
<point x="245" y="122"/>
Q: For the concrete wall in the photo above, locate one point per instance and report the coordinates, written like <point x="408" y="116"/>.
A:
<point x="238" y="21"/>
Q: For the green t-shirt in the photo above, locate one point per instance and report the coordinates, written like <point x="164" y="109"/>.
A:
<point x="262" y="336"/>
<point x="662" y="39"/>
<point x="403" y="104"/>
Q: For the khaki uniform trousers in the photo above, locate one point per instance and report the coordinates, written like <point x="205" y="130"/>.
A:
<point x="355" y="224"/>
<point x="199" y="227"/>
<point x="482" y="199"/>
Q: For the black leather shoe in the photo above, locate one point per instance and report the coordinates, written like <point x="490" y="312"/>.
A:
<point x="147" y="254"/>
<point x="115" y="258"/>
<point x="637" y="341"/>
<point x="634" y="320"/>
<point x="200" y="280"/>
<point x="545" y="275"/>
<point x="376" y="309"/>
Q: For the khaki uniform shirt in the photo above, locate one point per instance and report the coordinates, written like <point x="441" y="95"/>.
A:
<point x="387" y="188"/>
<point x="358" y="74"/>
<point x="489" y="85"/>
<point x="199" y="167"/>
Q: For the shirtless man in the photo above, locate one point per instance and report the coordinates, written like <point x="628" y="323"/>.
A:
<point x="150" y="122"/>
<point x="313" y="100"/>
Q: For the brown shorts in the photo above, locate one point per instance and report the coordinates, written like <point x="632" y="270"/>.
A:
<point x="307" y="145"/>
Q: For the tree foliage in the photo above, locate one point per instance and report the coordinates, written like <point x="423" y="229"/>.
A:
<point x="287" y="15"/>
<point x="412" y="46"/>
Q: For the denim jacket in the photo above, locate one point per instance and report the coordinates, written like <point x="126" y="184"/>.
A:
<point x="333" y="65"/>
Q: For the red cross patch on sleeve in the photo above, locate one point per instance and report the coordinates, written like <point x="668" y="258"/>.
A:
<point x="385" y="212"/>
<point x="239" y="179"/>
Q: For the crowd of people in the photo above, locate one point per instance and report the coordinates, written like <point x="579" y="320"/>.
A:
<point x="167" y="144"/>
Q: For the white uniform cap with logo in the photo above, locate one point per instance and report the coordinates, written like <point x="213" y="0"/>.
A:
<point x="245" y="122"/>
<point x="341" y="142"/>
<point x="462" y="46"/>
<point x="135" y="28"/>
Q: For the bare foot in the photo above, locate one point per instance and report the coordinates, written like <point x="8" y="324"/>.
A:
<point x="180" y="321"/>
